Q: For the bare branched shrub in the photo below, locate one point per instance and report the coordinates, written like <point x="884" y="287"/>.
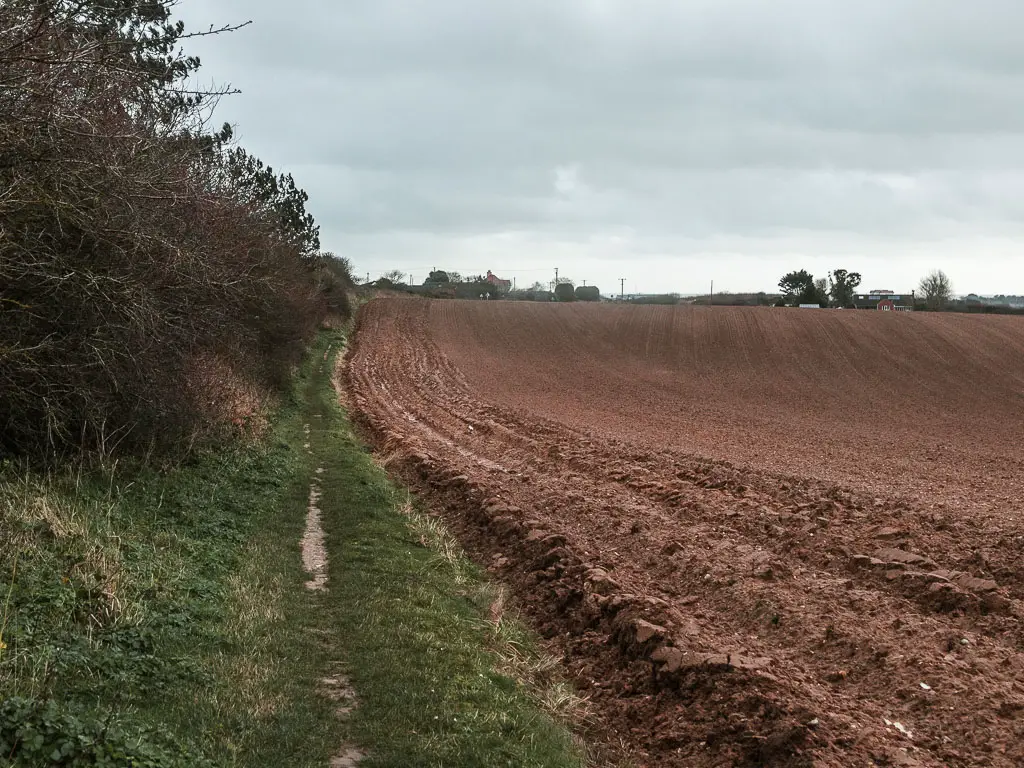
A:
<point x="134" y="246"/>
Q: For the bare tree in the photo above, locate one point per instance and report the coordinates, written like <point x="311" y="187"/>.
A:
<point x="936" y="289"/>
<point x="395" y="276"/>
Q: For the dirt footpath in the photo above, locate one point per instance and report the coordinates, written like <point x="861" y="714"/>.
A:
<point x="716" y="613"/>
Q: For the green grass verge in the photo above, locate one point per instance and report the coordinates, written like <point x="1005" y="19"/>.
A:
<point x="436" y="680"/>
<point x="159" y="618"/>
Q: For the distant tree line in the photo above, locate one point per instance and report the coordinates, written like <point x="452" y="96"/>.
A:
<point x="654" y="298"/>
<point x="447" y="284"/>
<point x="935" y="290"/>
<point x="836" y="290"/>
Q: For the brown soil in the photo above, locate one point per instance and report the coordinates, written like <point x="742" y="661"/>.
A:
<point x="756" y="537"/>
<point x="339" y="690"/>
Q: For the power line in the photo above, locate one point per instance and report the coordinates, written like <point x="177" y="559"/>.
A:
<point x="537" y="269"/>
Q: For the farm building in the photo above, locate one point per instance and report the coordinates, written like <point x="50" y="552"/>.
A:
<point x="885" y="300"/>
<point x="497" y="282"/>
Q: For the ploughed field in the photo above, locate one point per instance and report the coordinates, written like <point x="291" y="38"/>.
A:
<point x="755" y="536"/>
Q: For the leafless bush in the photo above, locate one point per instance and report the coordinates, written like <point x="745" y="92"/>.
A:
<point x="132" y="246"/>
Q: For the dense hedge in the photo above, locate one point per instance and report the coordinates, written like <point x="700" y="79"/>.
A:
<point x="140" y="255"/>
<point x="565" y="292"/>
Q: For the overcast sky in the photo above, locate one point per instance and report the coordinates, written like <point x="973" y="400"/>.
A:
<point x="668" y="142"/>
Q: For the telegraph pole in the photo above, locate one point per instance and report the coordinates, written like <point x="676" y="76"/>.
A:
<point x="622" y="288"/>
<point x="711" y="299"/>
<point x="556" y="275"/>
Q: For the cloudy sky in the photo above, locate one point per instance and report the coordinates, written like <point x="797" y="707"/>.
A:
<point x="667" y="142"/>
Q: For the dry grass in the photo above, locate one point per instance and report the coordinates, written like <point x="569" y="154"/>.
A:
<point x="36" y="512"/>
<point x="231" y="404"/>
<point x="508" y="638"/>
<point x="256" y="601"/>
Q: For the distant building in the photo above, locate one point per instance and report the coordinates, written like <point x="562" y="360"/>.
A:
<point x="497" y="282"/>
<point x="885" y="300"/>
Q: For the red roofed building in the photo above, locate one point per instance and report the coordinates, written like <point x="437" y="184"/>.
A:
<point x="497" y="282"/>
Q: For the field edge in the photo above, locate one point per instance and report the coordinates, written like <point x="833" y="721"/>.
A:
<point x="162" y="617"/>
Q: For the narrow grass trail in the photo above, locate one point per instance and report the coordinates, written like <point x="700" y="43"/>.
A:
<point x="407" y="616"/>
<point x="173" y="619"/>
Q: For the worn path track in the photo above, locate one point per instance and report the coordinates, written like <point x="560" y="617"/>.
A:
<point x="716" y="614"/>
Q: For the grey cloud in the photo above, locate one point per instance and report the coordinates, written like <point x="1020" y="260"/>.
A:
<point x="893" y="121"/>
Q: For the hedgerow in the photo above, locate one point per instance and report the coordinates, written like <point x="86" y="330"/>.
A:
<point x="156" y="281"/>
